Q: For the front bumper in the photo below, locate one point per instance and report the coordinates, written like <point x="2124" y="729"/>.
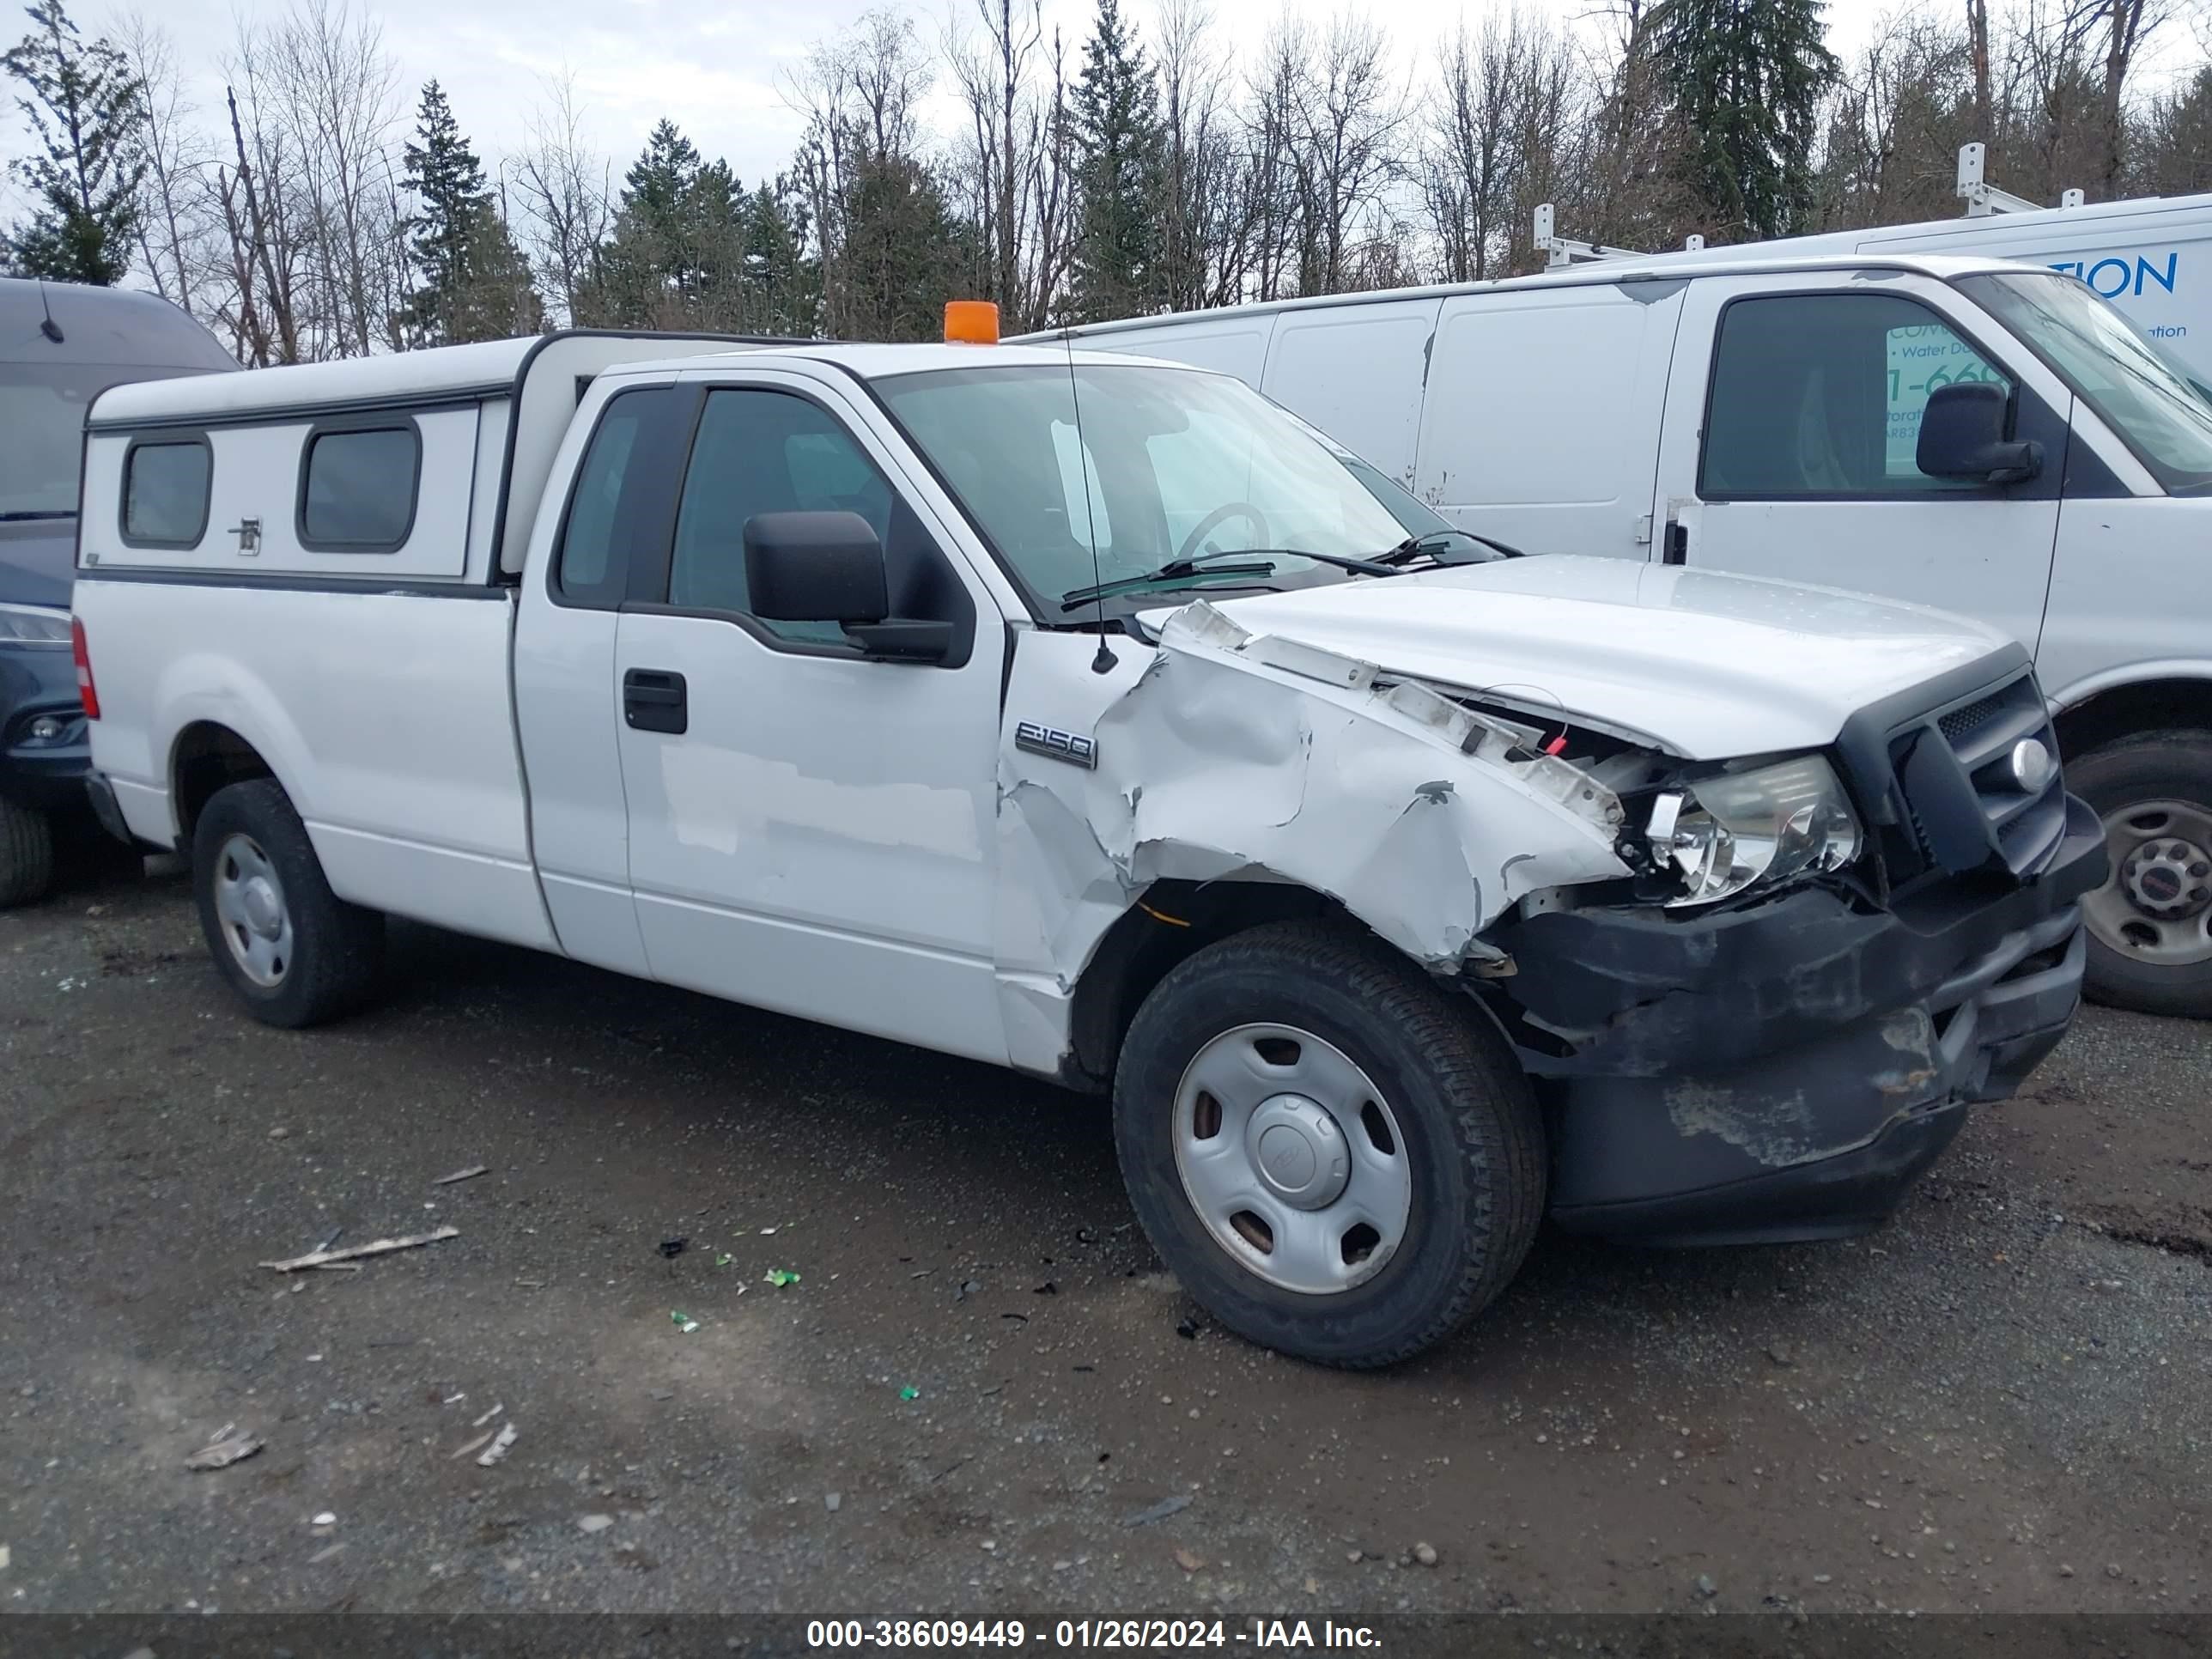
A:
<point x="1785" y="1071"/>
<point x="39" y="684"/>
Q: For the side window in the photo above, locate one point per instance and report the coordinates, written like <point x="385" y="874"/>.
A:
<point x="165" y="492"/>
<point x="357" y="487"/>
<point x="586" y="570"/>
<point x="763" y="452"/>
<point x="1821" y="395"/>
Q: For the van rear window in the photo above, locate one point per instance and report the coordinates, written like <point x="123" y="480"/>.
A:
<point x="358" y="494"/>
<point x="165" y="493"/>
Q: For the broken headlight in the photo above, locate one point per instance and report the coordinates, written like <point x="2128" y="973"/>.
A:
<point x="1724" y="833"/>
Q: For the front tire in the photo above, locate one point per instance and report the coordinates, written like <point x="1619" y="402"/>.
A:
<point x="294" y="952"/>
<point x="26" y="853"/>
<point x="1336" y="1157"/>
<point x="2150" y="924"/>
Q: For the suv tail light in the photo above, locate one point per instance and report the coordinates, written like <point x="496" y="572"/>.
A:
<point x="86" y="692"/>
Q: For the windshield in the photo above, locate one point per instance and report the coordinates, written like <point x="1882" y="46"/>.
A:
<point x="42" y="430"/>
<point x="2146" y="396"/>
<point x="1171" y="464"/>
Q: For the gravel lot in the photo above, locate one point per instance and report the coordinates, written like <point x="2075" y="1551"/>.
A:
<point x="981" y="1377"/>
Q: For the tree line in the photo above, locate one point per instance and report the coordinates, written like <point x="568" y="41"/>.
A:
<point x="1153" y="165"/>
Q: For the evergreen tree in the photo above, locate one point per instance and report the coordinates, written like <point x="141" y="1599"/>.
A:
<point x="1746" y="78"/>
<point x="646" y="275"/>
<point x="471" y="282"/>
<point x="83" y="106"/>
<point x="903" y="250"/>
<point x="1119" y="174"/>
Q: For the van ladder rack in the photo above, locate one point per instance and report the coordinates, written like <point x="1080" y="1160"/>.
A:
<point x="1984" y="198"/>
<point x="1560" y="252"/>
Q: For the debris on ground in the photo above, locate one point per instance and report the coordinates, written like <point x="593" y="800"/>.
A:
<point x="279" y="1133"/>
<point x="779" y="1277"/>
<point x="672" y="1247"/>
<point x="832" y="1501"/>
<point x="476" y="1445"/>
<point x="683" y="1321"/>
<point x="469" y="1174"/>
<point x="375" y="1246"/>
<point x="489" y="1415"/>
<point x="498" y="1449"/>
<point x="1159" y="1511"/>
<point x="1706" y="1587"/>
<point x="1782" y="1352"/>
<point x="1187" y="1561"/>
<point x="1425" y="1554"/>
<point x="967" y="1287"/>
<point x="224" y="1449"/>
<point x="724" y="1260"/>
<point x="321" y="1556"/>
<point x="910" y="1391"/>
<point x="594" y="1523"/>
<point x="1045" y="1289"/>
<point x="326" y="1519"/>
<point x="1187" y="1329"/>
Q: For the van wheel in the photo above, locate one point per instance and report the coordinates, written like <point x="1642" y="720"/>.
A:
<point x="1336" y="1157"/>
<point x="26" y="853"/>
<point x="2150" y="924"/>
<point x="295" y="954"/>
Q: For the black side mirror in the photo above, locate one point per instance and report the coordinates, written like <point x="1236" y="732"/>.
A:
<point x="829" y="567"/>
<point x="1963" y="436"/>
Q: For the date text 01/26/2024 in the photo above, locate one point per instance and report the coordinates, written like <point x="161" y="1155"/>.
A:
<point x="1127" y="1633"/>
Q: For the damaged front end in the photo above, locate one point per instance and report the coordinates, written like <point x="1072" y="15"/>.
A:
<point x="1756" y="996"/>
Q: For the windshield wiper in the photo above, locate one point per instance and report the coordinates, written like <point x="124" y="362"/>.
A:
<point x="1414" y="546"/>
<point x="37" y="513"/>
<point x="1201" y="564"/>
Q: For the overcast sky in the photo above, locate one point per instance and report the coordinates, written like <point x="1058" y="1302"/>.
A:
<point x="716" y="67"/>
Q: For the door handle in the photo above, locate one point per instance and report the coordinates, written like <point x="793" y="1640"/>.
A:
<point x="655" y="700"/>
<point x="1677" y="550"/>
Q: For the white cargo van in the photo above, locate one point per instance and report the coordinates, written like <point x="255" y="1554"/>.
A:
<point x="1991" y="438"/>
<point x="1399" y="898"/>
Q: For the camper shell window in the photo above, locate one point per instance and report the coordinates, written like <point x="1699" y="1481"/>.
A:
<point x="358" y="482"/>
<point x="166" y="485"/>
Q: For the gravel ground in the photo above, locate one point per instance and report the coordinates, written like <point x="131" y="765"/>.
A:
<point x="981" y="1380"/>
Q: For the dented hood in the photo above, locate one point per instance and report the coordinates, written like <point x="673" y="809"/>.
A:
<point x="1707" y="665"/>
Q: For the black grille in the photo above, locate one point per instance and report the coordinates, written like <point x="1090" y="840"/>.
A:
<point x="1963" y="809"/>
<point x="1960" y="721"/>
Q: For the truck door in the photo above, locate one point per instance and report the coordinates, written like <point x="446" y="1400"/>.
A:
<point x="809" y="831"/>
<point x="1793" y="414"/>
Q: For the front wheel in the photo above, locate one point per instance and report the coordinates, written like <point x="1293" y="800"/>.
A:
<point x="295" y="954"/>
<point x="2150" y="924"/>
<point x="1337" y="1156"/>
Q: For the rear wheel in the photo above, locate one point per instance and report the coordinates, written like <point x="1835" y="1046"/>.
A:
<point x="294" y="952"/>
<point x="26" y="853"/>
<point x="2150" y="924"/>
<point x="1335" y="1155"/>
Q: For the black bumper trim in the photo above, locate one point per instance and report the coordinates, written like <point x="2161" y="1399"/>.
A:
<point x="1780" y="1073"/>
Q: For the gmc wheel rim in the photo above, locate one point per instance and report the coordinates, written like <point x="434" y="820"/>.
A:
<point x="249" y="902"/>
<point x="1291" y="1158"/>
<point x="2156" y="905"/>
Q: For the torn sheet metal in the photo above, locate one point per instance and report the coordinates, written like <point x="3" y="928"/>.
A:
<point x="1226" y="756"/>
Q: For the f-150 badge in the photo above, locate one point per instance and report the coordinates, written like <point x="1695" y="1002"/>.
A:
<point x="1056" y="744"/>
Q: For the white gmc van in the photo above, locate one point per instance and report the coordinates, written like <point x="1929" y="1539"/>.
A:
<point x="1991" y="438"/>
<point x="1104" y="723"/>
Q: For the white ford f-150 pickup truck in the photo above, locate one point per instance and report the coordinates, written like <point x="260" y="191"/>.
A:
<point x="1096" y="718"/>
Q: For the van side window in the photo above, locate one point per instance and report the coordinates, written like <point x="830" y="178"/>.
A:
<point x="165" y="492"/>
<point x="763" y="452"/>
<point x="1819" y="397"/>
<point x="586" y="570"/>
<point x="357" y="487"/>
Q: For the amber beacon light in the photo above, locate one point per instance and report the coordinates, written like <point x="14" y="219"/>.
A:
<point x="971" y="322"/>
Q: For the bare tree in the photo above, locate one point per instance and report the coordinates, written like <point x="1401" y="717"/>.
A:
<point x="566" y="197"/>
<point x="173" y="227"/>
<point x="1010" y="163"/>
